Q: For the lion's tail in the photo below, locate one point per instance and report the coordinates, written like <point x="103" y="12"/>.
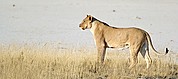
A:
<point x="151" y="45"/>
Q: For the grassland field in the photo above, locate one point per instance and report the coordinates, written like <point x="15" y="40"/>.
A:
<point x="48" y="61"/>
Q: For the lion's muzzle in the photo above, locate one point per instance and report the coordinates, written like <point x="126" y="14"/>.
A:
<point x="81" y="27"/>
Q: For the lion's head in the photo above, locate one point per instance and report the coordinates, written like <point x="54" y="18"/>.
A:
<point x="86" y="23"/>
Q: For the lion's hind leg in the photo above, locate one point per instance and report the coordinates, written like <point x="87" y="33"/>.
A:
<point x="145" y="53"/>
<point x="133" y="57"/>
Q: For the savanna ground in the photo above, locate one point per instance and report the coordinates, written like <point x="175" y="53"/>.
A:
<point x="48" y="61"/>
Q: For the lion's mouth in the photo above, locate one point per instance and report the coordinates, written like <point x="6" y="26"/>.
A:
<point x="83" y="28"/>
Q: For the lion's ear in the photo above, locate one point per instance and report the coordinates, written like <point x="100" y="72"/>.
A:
<point x="88" y="15"/>
<point x="90" y="18"/>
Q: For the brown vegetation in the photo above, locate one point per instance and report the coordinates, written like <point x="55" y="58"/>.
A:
<point x="49" y="62"/>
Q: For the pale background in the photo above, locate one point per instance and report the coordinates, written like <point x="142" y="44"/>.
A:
<point x="57" y="21"/>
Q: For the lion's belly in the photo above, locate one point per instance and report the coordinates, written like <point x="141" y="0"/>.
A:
<point x="120" y="45"/>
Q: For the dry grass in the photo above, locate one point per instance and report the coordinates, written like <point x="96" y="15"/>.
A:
<point x="51" y="62"/>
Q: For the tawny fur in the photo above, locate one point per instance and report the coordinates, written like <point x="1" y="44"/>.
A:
<point x="105" y="36"/>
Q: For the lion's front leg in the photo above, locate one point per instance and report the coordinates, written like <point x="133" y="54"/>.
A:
<point x="101" y="54"/>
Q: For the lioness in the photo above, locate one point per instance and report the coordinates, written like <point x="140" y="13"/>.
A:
<point x="106" y="36"/>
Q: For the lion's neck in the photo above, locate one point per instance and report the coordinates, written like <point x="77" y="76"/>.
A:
<point x="97" y="26"/>
<point x="93" y="28"/>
